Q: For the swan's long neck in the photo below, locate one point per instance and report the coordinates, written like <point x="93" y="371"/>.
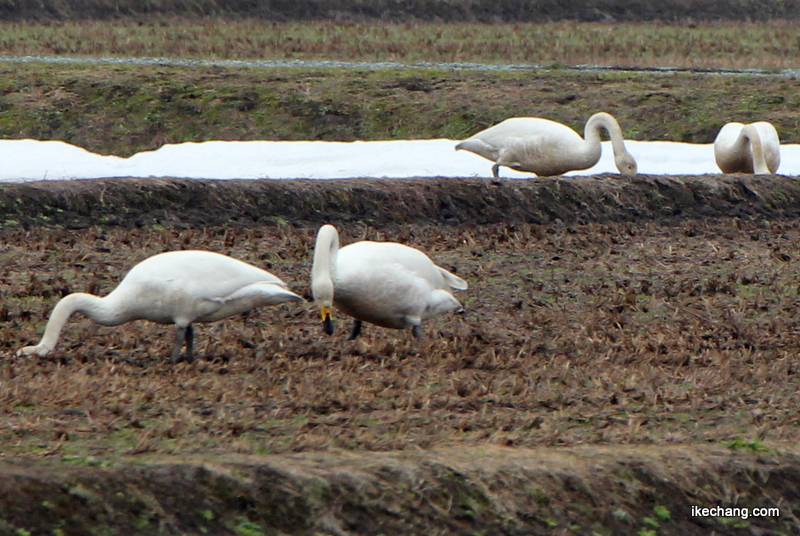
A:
<point x="598" y="122"/>
<point x="323" y="269"/>
<point x="625" y="162"/>
<point x="757" y="150"/>
<point x="101" y="310"/>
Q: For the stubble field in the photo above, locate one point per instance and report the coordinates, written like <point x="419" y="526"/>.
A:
<point x="677" y="334"/>
<point x="599" y="333"/>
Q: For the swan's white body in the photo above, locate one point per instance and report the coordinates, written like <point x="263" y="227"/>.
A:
<point x="753" y="148"/>
<point x="383" y="283"/>
<point x="177" y="287"/>
<point x="548" y="148"/>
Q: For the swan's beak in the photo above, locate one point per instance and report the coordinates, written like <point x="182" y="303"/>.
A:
<point x="327" y="318"/>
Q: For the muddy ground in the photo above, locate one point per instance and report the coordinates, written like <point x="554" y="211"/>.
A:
<point x="629" y="351"/>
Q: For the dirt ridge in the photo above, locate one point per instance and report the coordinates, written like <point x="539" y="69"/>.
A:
<point x="440" y="10"/>
<point x="498" y="491"/>
<point x="131" y="202"/>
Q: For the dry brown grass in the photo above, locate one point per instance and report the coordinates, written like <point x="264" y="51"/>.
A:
<point x="738" y="45"/>
<point x="596" y="334"/>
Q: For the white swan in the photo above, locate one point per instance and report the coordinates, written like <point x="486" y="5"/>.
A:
<point x="177" y="287"/>
<point x="753" y="148"/>
<point x="383" y="283"/>
<point x="548" y="148"/>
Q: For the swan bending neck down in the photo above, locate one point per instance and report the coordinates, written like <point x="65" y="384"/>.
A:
<point x="383" y="283"/>
<point x="548" y="148"/>
<point x="753" y="148"/>
<point x="178" y="287"/>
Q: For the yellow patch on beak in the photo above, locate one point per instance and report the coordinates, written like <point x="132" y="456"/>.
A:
<point x="325" y="313"/>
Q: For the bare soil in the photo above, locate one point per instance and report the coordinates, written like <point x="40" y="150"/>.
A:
<point x="629" y="351"/>
<point x="187" y="203"/>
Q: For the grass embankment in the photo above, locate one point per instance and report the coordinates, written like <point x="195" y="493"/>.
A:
<point x="126" y="109"/>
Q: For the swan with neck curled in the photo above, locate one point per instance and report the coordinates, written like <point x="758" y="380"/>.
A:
<point x="548" y="148"/>
<point x="753" y="148"/>
<point x="176" y="287"/>
<point x="383" y="283"/>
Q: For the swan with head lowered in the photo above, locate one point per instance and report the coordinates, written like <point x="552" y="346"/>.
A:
<point x="177" y="287"/>
<point x="383" y="283"/>
<point x="548" y="148"/>
<point x="753" y="148"/>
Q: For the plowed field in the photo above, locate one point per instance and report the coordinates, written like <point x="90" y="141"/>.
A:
<point x="658" y="332"/>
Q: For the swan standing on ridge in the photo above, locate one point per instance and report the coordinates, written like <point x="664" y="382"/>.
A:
<point x="383" y="283"/>
<point x="753" y="148"/>
<point x="177" y="287"/>
<point x="548" y="148"/>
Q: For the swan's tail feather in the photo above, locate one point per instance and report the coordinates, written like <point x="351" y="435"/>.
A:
<point x="452" y="280"/>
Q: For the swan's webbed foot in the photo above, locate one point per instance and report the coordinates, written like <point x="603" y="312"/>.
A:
<point x="416" y="331"/>
<point x="327" y="325"/>
<point x="356" y="330"/>
<point x="183" y="336"/>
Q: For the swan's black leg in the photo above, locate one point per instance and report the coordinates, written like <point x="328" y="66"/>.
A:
<point x="356" y="330"/>
<point x="416" y="331"/>
<point x="183" y="336"/>
<point x="189" y="343"/>
<point x="180" y="338"/>
<point x="496" y="171"/>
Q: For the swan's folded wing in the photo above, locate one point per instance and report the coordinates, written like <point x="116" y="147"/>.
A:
<point x="247" y="298"/>
<point x="262" y="293"/>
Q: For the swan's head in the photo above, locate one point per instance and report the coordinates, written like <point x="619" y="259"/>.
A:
<point x="626" y="163"/>
<point x="325" y="309"/>
<point x="322" y="270"/>
<point x="322" y="290"/>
